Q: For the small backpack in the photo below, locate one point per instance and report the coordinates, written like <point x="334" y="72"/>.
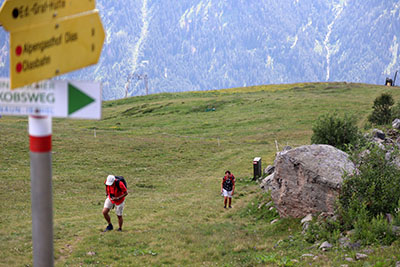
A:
<point x="120" y="179"/>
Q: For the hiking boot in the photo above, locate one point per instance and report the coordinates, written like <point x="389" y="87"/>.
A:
<point x="119" y="230"/>
<point x="230" y="207"/>
<point x="109" y="228"/>
<point x="224" y="207"/>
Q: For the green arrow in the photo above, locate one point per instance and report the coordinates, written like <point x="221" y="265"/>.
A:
<point x="77" y="99"/>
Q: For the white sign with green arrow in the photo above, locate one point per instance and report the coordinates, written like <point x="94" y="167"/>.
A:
<point x="62" y="99"/>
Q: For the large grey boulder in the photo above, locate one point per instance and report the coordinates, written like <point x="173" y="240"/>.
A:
<point x="307" y="179"/>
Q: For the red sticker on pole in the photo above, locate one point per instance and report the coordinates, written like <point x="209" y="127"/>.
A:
<point x="40" y="134"/>
<point x="40" y="144"/>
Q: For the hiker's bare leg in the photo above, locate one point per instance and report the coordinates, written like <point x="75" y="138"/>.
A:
<point x="106" y="215"/>
<point x="225" y="201"/>
<point x="230" y="201"/>
<point x="120" y="221"/>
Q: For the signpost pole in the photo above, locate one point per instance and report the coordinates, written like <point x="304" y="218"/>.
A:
<point x="41" y="190"/>
<point x="56" y="40"/>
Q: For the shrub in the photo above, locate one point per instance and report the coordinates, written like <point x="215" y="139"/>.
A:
<point x="397" y="215"/>
<point x="382" y="113"/>
<point x="377" y="230"/>
<point x="371" y="230"/>
<point x="396" y="111"/>
<point x="365" y="196"/>
<point x="336" y="131"/>
<point x="377" y="184"/>
<point x="328" y="230"/>
<point x="350" y="210"/>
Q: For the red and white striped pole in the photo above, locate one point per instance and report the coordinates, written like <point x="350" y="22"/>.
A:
<point x="41" y="190"/>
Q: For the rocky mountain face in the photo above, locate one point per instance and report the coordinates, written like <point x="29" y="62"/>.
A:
<point x="212" y="44"/>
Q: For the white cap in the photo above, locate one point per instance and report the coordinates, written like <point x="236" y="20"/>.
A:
<point x="110" y="180"/>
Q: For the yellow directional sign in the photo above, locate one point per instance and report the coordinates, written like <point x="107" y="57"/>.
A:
<point x="51" y="49"/>
<point x="15" y="14"/>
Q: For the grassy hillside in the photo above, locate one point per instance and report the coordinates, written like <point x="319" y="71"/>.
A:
<point x="173" y="150"/>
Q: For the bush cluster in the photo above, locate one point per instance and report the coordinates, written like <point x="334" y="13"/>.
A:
<point x="373" y="230"/>
<point x="383" y="113"/>
<point x="369" y="194"/>
<point x="377" y="183"/>
<point x="396" y="111"/>
<point x="365" y="198"/>
<point x="328" y="230"/>
<point x="336" y="131"/>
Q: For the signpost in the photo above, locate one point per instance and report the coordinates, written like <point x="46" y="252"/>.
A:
<point x="17" y="14"/>
<point x="49" y="38"/>
<point x="47" y="50"/>
<point x="62" y="99"/>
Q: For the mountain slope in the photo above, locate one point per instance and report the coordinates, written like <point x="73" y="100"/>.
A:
<point x="207" y="44"/>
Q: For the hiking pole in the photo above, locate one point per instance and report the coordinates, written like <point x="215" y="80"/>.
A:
<point x="41" y="190"/>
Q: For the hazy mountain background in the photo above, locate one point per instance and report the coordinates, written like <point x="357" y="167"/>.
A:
<point x="184" y="45"/>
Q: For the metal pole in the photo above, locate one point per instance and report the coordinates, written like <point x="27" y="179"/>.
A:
<point x="41" y="190"/>
<point x="146" y="84"/>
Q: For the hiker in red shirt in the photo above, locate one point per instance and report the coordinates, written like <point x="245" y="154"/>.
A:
<point x="116" y="193"/>
<point x="228" y="188"/>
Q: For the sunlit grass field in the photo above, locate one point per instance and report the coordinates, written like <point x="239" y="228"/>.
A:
<point x="173" y="150"/>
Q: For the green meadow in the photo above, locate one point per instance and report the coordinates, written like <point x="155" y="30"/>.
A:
<point x="173" y="150"/>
